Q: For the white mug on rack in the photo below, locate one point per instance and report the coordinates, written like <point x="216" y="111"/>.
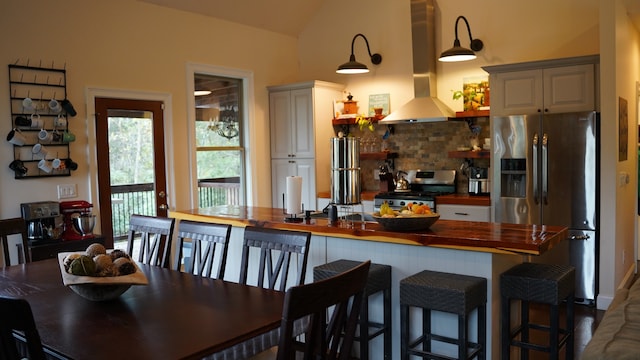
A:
<point x="55" y="106"/>
<point x="16" y="138"/>
<point x="44" y="135"/>
<point x="55" y="164"/>
<point x="45" y="165"/>
<point x="28" y="105"/>
<point x="60" y="121"/>
<point x="36" y="122"/>
<point x="38" y="149"/>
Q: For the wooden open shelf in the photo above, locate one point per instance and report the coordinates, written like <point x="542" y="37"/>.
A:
<point x="482" y="154"/>
<point x="383" y="155"/>
<point x="468" y="114"/>
<point x="352" y="121"/>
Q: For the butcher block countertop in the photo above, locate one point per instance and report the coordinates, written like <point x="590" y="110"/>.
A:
<point x="462" y="235"/>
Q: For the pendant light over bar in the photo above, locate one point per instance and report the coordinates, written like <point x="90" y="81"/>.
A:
<point x="354" y="67"/>
<point x="457" y="52"/>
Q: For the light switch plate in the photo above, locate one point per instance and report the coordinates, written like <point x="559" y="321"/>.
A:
<point x="66" y="191"/>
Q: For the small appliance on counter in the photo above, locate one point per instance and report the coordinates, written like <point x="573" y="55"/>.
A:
<point x="479" y="183"/>
<point x="44" y="223"/>
<point x="78" y="220"/>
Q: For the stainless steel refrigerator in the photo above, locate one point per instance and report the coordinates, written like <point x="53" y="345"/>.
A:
<point x="545" y="172"/>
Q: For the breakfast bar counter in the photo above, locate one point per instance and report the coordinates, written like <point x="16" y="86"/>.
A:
<point x="468" y="248"/>
<point x="473" y="236"/>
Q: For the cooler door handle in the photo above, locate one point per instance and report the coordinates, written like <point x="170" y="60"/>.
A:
<point x="534" y="151"/>
<point x="545" y="169"/>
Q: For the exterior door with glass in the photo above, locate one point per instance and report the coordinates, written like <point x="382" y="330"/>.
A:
<point x="131" y="163"/>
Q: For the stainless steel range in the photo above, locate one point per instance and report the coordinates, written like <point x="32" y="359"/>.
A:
<point x="425" y="186"/>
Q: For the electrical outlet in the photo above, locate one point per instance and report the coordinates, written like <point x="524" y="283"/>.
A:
<point x="67" y="191"/>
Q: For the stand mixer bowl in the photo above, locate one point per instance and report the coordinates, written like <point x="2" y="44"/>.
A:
<point x="84" y="224"/>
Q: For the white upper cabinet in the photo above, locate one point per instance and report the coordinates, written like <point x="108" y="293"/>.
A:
<point x="291" y="114"/>
<point x="552" y="86"/>
<point x="569" y="88"/>
<point x="300" y="117"/>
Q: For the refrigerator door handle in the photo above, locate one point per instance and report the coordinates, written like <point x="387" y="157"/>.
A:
<point x="545" y="169"/>
<point x="534" y="151"/>
<point x="580" y="237"/>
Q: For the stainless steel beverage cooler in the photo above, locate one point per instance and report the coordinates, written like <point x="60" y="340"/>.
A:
<point x="345" y="171"/>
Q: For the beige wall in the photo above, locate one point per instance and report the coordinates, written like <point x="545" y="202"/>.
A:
<point x="129" y="45"/>
<point x="619" y="73"/>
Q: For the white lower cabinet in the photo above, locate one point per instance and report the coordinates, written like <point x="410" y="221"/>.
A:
<point x="281" y="168"/>
<point x="464" y="212"/>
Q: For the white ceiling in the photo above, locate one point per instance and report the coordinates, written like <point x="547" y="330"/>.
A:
<point x="267" y="14"/>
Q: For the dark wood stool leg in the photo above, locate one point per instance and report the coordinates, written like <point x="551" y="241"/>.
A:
<point x="482" y="332"/>
<point x="570" y="327"/>
<point x="554" y="322"/>
<point x="364" y="329"/>
<point x="463" y="335"/>
<point x="426" y="329"/>
<point x="404" y="331"/>
<point x="524" y="334"/>
<point x="506" y="328"/>
<point x="387" y="323"/>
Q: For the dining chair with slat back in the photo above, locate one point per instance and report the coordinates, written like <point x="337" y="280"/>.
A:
<point x="154" y="235"/>
<point x="333" y="339"/>
<point x="277" y="251"/>
<point x="283" y="246"/>
<point x="15" y="226"/>
<point x="209" y="247"/>
<point x="16" y="315"/>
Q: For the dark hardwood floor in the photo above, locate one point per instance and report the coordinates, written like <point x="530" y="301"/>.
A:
<point x="587" y="319"/>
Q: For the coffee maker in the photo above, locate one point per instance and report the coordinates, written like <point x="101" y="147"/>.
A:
<point x="479" y="183"/>
<point x="76" y="209"/>
<point x="44" y="223"/>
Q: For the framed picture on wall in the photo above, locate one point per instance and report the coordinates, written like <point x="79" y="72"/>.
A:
<point x="623" y="129"/>
<point x="379" y="101"/>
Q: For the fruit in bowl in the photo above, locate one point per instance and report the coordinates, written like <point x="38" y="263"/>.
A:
<point x="98" y="274"/>
<point x="412" y="217"/>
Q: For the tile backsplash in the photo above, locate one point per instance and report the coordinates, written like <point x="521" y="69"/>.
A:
<point x="424" y="146"/>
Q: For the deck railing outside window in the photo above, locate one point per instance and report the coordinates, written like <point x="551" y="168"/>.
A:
<point x="140" y="199"/>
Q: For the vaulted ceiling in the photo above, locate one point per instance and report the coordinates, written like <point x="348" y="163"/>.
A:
<point x="267" y="14"/>
<point x="262" y="14"/>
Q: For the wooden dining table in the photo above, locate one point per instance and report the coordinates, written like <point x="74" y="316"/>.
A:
<point x="176" y="316"/>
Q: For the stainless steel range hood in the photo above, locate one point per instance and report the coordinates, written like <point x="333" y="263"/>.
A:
<point x="425" y="107"/>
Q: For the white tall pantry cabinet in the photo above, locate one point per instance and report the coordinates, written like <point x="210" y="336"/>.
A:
<point x="300" y="117"/>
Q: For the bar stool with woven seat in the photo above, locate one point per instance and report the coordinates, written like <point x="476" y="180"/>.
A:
<point x="378" y="280"/>
<point x="445" y="292"/>
<point x="538" y="283"/>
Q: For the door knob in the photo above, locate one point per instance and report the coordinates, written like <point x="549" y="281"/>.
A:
<point x="163" y="207"/>
<point x="162" y="194"/>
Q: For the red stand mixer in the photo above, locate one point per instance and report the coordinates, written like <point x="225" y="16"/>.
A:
<point x="78" y="220"/>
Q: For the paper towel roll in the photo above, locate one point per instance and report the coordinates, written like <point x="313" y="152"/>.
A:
<point x="293" y="198"/>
